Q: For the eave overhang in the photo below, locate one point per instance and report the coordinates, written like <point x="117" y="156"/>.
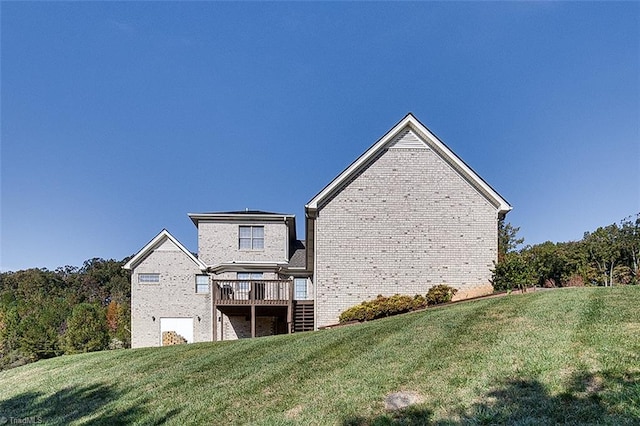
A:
<point x="257" y="266"/>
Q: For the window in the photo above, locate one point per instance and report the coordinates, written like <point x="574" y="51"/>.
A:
<point x="149" y="278"/>
<point x="202" y="284"/>
<point x="245" y="286"/>
<point x="251" y="238"/>
<point x="249" y="276"/>
<point x="300" y="286"/>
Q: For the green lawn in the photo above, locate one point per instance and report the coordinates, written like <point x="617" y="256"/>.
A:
<point x="570" y="356"/>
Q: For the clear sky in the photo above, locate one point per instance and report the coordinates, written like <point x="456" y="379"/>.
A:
<point x="119" y="118"/>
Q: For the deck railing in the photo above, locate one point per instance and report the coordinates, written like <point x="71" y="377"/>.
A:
<point x="252" y="292"/>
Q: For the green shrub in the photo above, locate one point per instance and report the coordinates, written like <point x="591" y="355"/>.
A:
<point x="383" y="306"/>
<point x="513" y="272"/>
<point x="441" y="293"/>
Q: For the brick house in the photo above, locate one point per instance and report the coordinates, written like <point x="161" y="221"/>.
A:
<point x="406" y="215"/>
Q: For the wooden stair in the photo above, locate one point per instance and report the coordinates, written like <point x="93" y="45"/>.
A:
<point x="302" y="316"/>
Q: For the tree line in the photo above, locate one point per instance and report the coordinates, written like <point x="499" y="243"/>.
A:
<point x="47" y="313"/>
<point x="608" y="256"/>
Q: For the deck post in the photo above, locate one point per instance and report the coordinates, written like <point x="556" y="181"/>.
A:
<point x="214" y="313"/>
<point x="253" y="320"/>
<point x="290" y="307"/>
<point x="214" y="321"/>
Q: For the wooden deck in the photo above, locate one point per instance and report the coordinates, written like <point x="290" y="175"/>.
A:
<point x="253" y="292"/>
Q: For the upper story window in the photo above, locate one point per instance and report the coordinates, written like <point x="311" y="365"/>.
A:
<point x="153" y="278"/>
<point x="251" y="238"/>
<point x="202" y="284"/>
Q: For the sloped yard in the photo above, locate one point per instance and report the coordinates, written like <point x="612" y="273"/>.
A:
<point x="570" y="356"/>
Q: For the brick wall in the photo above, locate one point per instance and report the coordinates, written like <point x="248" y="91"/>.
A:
<point x="407" y="222"/>
<point x="174" y="296"/>
<point x="239" y="327"/>
<point x="218" y="243"/>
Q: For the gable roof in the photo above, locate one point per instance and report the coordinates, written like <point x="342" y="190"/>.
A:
<point x="156" y="242"/>
<point x="409" y="122"/>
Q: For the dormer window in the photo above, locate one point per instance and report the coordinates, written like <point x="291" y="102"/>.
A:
<point x="251" y="238"/>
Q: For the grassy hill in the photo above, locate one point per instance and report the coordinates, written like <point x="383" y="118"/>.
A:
<point x="570" y="356"/>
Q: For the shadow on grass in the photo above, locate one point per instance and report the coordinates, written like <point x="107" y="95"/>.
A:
<point x="410" y="416"/>
<point x="602" y="398"/>
<point x="73" y="404"/>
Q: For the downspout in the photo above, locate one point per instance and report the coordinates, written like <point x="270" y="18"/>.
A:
<point x="315" y="282"/>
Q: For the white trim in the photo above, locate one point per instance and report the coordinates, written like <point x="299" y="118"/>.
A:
<point x="234" y="266"/>
<point x="239" y="217"/>
<point x="432" y="141"/>
<point x="155" y="243"/>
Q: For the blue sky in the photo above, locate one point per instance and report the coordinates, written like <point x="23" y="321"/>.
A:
<point x="119" y="118"/>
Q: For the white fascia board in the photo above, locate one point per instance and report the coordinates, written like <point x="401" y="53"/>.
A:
<point x="195" y="217"/>
<point x="425" y="134"/>
<point x="154" y="243"/>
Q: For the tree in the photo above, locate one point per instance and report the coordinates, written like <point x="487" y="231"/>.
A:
<point x="511" y="270"/>
<point x="118" y="325"/>
<point x="86" y="329"/>
<point x="630" y="242"/>
<point x="548" y="262"/>
<point x="507" y="238"/>
<point x="10" y="354"/>
<point x="604" y="248"/>
<point x="40" y="327"/>
<point x="114" y="314"/>
<point x="36" y="307"/>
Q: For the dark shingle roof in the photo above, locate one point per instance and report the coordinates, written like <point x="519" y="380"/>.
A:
<point x="298" y="255"/>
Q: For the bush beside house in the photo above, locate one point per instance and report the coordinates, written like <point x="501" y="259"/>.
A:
<point x="383" y="306"/>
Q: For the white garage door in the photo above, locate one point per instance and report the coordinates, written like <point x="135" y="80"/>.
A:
<point x="182" y="327"/>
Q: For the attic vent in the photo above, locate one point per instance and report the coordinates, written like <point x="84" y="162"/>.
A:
<point x="408" y="139"/>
